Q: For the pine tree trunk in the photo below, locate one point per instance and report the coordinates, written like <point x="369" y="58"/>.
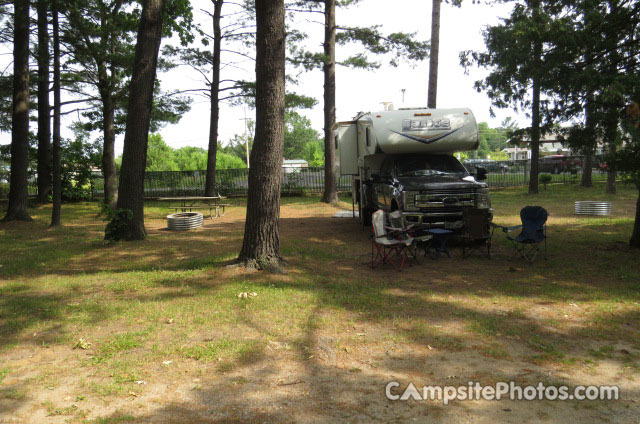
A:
<point x="108" y="150"/>
<point x="261" y="244"/>
<point x="44" y="126"/>
<point x="131" y="187"/>
<point x="611" y="135"/>
<point x="587" y="164"/>
<point x="106" y="89"/>
<point x="535" y="138"/>
<point x="210" y="183"/>
<point x="433" y="54"/>
<point x="57" y="166"/>
<point x="635" y="236"/>
<point x="330" y="194"/>
<point x="587" y="170"/>
<point x="611" y="175"/>
<point x="18" y="194"/>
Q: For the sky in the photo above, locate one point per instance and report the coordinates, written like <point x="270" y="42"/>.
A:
<point x="356" y="90"/>
<point x="359" y="90"/>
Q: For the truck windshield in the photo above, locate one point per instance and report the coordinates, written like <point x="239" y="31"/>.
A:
<point x="429" y="165"/>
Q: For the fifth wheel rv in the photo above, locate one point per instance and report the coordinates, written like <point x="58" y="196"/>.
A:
<point x="403" y="160"/>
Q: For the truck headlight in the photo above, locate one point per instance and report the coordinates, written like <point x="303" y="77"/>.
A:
<point x="484" y="201"/>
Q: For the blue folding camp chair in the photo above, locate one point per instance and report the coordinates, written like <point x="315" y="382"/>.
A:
<point x="533" y="233"/>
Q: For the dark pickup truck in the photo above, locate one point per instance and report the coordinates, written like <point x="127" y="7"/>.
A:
<point x="488" y="164"/>
<point x="556" y="164"/>
<point x="426" y="188"/>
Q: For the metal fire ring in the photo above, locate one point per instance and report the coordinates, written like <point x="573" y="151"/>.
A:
<point x="590" y="207"/>
<point x="184" y="221"/>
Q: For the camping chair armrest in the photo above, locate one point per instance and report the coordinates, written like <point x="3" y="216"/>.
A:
<point x="395" y="232"/>
<point x="386" y="235"/>
<point x="505" y="228"/>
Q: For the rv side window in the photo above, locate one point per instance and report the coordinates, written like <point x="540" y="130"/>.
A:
<point x="367" y="134"/>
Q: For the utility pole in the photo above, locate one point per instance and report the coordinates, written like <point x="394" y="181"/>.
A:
<point x="403" y="91"/>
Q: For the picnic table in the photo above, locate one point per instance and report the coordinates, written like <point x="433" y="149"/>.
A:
<point x="189" y="203"/>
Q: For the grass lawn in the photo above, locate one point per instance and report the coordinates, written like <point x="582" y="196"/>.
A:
<point x="154" y="331"/>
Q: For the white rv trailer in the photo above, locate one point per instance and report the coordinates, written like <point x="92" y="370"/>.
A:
<point x="375" y="147"/>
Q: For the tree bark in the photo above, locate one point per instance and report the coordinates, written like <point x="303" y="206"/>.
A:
<point x="18" y="194"/>
<point x="330" y="194"/>
<point x="433" y="54"/>
<point x="108" y="150"/>
<point x="611" y="172"/>
<point x="635" y="236"/>
<point x="210" y="182"/>
<point x="535" y="138"/>
<point x="44" y="126"/>
<point x="129" y="223"/>
<point x="261" y="244"/>
<point x="611" y="135"/>
<point x="106" y="88"/>
<point x="587" y="164"/>
<point x="57" y="166"/>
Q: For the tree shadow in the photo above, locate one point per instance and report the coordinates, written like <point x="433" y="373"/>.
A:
<point x="316" y="380"/>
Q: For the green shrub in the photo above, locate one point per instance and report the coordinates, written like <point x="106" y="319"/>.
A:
<point x="4" y="190"/>
<point x="545" y="179"/>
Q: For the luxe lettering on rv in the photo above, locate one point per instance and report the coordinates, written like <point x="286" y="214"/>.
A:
<point x="426" y="124"/>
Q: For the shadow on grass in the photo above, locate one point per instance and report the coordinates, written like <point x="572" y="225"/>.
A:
<point x="328" y="262"/>
<point x="324" y="389"/>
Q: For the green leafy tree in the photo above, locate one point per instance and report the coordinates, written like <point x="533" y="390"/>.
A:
<point x="160" y="157"/>
<point x="224" y="38"/>
<point x="44" y="119"/>
<point x="18" y="195"/>
<point x="79" y="157"/>
<point x="231" y="40"/>
<point x="128" y="221"/>
<point x="237" y="147"/>
<point x="190" y="158"/>
<point x="627" y="161"/>
<point x="229" y="161"/>
<point x="522" y="53"/>
<point x="261" y="242"/>
<point x="599" y="73"/>
<point x="298" y="133"/>
<point x="314" y="153"/>
<point x="402" y="45"/>
<point x="100" y="35"/>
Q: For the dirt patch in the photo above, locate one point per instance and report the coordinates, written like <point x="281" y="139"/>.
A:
<point x="171" y="341"/>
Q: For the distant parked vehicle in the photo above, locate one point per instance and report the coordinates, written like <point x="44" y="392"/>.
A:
<point x="488" y="164"/>
<point x="556" y="164"/>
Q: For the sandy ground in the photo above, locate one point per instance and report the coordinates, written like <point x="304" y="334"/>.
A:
<point x="325" y="379"/>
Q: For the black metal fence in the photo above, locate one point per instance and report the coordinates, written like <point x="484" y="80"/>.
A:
<point x="516" y="173"/>
<point x="229" y="182"/>
<point x="298" y="181"/>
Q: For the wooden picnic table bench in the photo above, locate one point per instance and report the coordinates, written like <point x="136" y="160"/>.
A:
<point x="189" y="203"/>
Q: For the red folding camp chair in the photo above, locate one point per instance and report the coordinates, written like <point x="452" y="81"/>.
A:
<point x="388" y="247"/>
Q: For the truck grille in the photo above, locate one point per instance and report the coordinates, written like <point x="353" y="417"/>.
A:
<point x="445" y="199"/>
